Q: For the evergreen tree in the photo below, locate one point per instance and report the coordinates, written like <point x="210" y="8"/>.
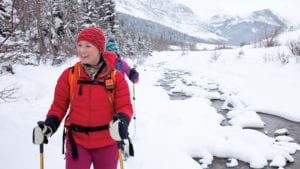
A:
<point x="10" y="20"/>
<point x="100" y="13"/>
<point x="71" y="25"/>
<point x="47" y="29"/>
<point x="111" y="23"/>
<point x="134" y="46"/>
<point x="4" y="18"/>
<point x="88" y="14"/>
<point x="71" y="17"/>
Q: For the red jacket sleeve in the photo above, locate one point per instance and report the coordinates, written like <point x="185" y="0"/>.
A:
<point x="122" y="96"/>
<point x="61" y="99"/>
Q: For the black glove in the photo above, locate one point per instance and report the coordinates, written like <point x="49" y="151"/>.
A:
<point x="133" y="74"/>
<point x="44" y="130"/>
<point x="118" y="127"/>
<point x="41" y="133"/>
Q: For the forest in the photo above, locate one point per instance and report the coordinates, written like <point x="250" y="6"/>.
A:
<point x="43" y="31"/>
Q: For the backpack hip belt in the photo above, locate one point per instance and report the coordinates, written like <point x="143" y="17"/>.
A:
<point x="77" y="128"/>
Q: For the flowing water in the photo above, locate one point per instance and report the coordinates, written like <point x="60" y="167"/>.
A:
<point x="273" y="123"/>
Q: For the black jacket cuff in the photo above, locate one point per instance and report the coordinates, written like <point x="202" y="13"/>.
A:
<point x="53" y="122"/>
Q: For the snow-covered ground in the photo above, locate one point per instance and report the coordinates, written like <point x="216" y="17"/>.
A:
<point x="170" y="132"/>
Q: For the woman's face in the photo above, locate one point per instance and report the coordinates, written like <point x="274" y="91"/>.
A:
<point x="88" y="53"/>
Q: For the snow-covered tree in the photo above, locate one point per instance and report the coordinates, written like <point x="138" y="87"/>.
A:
<point x="9" y="20"/>
<point x="46" y="29"/>
<point x="134" y="46"/>
<point x="110" y="19"/>
<point x="4" y="18"/>
<point x="87" y="13"/>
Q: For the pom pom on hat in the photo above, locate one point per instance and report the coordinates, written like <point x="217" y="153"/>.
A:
<point x="93" y="35"/>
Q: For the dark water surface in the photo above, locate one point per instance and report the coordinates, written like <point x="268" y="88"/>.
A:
<point x="273" y="123"/>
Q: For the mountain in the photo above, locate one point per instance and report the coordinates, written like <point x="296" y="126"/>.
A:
<point x="167" y="14"/>
<point x="231" y="30"/>
<point x="237" y="30"/>
<point x="154" y="30"/>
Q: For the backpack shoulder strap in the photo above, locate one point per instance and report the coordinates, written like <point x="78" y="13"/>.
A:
<point x="74" y="74"/>
<point x="119" y="64"/>
<point x="110" y="86"/>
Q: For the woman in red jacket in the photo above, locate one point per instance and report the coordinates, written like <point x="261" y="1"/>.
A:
<point x="99" y="113"/>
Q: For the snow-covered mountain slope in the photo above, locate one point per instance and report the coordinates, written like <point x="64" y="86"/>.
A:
<point x="237" y="30"/>
<point x="218" y="29"/>
<point x="168" y="13"/>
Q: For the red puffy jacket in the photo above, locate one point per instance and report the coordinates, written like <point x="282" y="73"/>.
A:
<point x="91" y="108"/>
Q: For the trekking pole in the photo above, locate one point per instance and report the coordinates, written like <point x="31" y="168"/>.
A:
<point x="41" y="149"/>
<point x="120" y="154"/>
<point x="134" y="113"/>
<point x="42" y="156"/>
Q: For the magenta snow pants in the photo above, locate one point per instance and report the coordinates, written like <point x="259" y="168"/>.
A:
<point x="101" y="158"/>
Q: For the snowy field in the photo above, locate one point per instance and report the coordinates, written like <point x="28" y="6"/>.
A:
<point x="170" y="132"/>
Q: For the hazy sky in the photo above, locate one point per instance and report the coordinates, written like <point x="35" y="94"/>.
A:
<point x="288" y="9"/>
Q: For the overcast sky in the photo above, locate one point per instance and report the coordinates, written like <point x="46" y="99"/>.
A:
<point x="288" y="9"/>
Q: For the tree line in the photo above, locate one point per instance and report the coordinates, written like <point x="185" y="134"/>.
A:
<point x="36" y="31"/>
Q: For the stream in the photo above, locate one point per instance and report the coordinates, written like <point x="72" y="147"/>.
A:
<point x="272" y="123"/>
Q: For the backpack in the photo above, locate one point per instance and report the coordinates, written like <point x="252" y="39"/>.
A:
<point x="119" y="65"/>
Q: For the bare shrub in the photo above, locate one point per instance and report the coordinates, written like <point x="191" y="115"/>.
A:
<point x="215" y="55"/>
<point x="8" y="94"/>
<point x="271" y="37"/>
<point x="283" y="57"/>
<point x="269" y="57"/>
<point x="240" y="54"/>
<point x="7" y="68"/>
<point x="294" y="47"/>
